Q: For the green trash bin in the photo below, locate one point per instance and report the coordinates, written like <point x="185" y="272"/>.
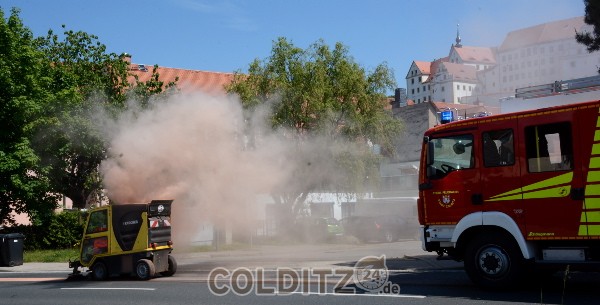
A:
<point x="11" y="249"/>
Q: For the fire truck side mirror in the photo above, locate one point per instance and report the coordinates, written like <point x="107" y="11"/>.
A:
<point x="431" y="172"/>
<point x="430" y="152"/>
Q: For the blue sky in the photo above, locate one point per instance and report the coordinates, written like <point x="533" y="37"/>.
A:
<point x="225" y="36"/>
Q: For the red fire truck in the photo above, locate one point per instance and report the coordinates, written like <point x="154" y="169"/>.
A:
<point x="506" y="192"/>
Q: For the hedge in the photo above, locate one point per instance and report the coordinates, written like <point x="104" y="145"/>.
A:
<point x="62" y="231"/>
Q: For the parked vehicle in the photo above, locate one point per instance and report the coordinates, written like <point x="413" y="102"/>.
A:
<point x="375" y="228"/>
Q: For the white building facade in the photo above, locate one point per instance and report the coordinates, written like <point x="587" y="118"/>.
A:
<point x="531" y="56"/>
<point x="538" y="55"/>
<point x="417" y="82"/>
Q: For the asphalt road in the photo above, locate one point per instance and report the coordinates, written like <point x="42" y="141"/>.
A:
<point x="319" y="272"/>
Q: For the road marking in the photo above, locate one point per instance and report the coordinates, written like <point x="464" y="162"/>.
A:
<point x="38" y="272"/>
<point x="410" y="296"/>
<point x="107" y="288"/>
<point x="30" y="279"/>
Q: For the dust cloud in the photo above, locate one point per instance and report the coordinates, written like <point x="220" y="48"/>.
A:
<point x="194" y="149"/>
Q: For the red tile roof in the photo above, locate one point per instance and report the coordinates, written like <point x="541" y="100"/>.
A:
<point x="476" y="54"/>
<point x="435" y="65"/>
<point x="424" y="66"/>
<point x="543" y="33"/>
<point x="460" y="72"/>
<point x="189" y="80"/>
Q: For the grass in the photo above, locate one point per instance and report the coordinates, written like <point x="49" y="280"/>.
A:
<point x="50" y="256"/>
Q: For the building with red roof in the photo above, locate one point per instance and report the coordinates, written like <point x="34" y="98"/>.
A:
<point x="212" y="83"/>
<point x="537" y="55"/>
<point x="531" y="56"/>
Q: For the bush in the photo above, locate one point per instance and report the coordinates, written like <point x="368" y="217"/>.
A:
<point x="61" y="231"/>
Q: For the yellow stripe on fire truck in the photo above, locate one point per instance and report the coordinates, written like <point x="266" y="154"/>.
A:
<point x="541" y="189"/>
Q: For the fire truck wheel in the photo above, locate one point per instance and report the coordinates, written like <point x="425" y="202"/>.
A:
<point x="172" y="267"/>
<point x="144" y="269"/>
<point x="493" y="260"/>
<point x="99" y="271"/>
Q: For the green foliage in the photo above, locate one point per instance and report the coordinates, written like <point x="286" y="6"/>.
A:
<point x="322" y="94"/>
<point x="66" y="231"/>
<point x="51" y="90"/>
<point x="153" y="88"/>
<point x="83" y="79"/>
<point x="592" y="17"/>
<point x="60" y="231"/>
<point x="321" y="91"/>
<point x="23" y="185"/>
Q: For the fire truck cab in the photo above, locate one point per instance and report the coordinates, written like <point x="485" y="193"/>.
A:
<point x="505" y="192"/>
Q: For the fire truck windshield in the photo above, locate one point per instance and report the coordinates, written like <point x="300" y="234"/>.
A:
<point x="449" y="154"/>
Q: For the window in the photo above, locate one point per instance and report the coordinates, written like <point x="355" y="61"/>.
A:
<point x="450" y="154"/>
<point x="412" y="80"/>
<point x="549" y="147"/>
<point x="98" y="222"/>
<point x="93" y="246"/>
<point x="498" y="148"/>
<point x="457" y="87"/>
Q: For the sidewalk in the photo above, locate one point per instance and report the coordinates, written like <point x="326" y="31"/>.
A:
<point x="400" y="256"/>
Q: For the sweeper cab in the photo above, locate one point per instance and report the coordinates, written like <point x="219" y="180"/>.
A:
<point x="127" y="239"/>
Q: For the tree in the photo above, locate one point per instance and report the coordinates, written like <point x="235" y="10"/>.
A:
<point x="592" y="17"/>
<point x="322" y="93"/>
<point x="24" y="183"/>
<point x="83" y="79"/>
<point x="153" y="88"/>
<point x="51" y="89"/>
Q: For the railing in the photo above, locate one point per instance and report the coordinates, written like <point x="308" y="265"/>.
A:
<point x="573" y="86"/>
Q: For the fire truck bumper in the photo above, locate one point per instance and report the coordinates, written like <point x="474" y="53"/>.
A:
<point x="435" y="238"/>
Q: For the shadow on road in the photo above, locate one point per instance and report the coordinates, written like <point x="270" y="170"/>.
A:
<point x="419" y="276"/>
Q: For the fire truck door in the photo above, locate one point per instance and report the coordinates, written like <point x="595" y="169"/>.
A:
<point x="452" y="177"/>
<point x="500" y="169"/>
<point x="551" y="177"/>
